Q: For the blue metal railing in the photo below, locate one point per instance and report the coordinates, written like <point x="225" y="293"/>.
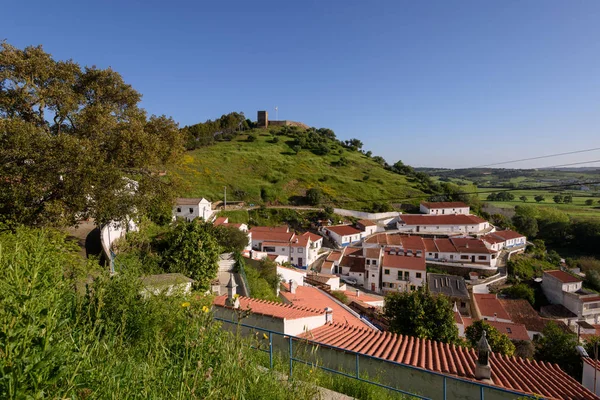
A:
<point x="356" y="375"/>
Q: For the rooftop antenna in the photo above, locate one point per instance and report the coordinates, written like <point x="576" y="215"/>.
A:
<point x="276" y="113"/>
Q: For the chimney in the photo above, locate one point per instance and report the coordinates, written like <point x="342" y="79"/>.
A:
<point x="455" y="308"/>
<point x="483" y="372"/>
<point x="357" y="293"/>
<point x="278" y="289"/>
<point x="232" y="296"/>
<point x="495" y="316"/>
<point x="328" y="315"/>
<point x="292" y="286"/>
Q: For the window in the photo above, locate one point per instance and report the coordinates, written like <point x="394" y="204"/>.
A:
<point x="178" y="209"/>
<point x="463" y="304"/>
<point x="191" y="210"/>
<point x="386" y="271"/>
<point x="406" y="275"/>
<point x="374" y="262"/>
<point x="463" y="257"/>
<point x="368" y="262"/>
<point x="482" y="258"/>
<point x="300" y="250"/>
<point x="508" y="330"/>
<point x="283" y="249"/>
<point x="372" y="275"/>
<point x="452" y="256"/>
<point x="412" y="287"/>
<point x="418" y="274"/>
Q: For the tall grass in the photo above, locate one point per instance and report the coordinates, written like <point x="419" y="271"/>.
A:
<point x="112" y="343"/>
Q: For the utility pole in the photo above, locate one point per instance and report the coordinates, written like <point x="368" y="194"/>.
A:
<point x="595" y="364"/>
<point x="225" y="197"/>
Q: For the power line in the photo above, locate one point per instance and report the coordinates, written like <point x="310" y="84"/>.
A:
<point x="535" y="158"/>
<point x="566" y="165"/>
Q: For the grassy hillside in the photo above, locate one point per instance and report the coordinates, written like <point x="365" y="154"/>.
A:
<point x="246" y="167"/>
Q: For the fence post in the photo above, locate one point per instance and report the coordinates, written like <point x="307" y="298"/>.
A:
<point x="291" y="358"/>
<point x="480" y="392"/>
<point x="357" y="374"/>
<point x="444" y="388"/>
<point x="271" y="350"/>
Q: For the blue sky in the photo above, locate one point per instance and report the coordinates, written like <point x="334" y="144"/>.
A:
<point x="438" y="83"/>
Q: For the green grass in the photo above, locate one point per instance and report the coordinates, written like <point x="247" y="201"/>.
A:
<point x="246" y="167"/>
<point x="576" y="209"/>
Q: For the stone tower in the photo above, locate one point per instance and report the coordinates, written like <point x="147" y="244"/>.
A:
<point x="262" y="119"/>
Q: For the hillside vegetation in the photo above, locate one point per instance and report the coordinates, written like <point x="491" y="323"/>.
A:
<point x="263" y="168"/>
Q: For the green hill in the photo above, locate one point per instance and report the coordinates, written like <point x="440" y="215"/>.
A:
<point x="263" y="170"/>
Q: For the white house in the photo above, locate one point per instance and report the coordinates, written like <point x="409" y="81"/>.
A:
<point x="444" y="208"/>
<point x="401" y="272"/>
<point x="367" y="226"/>
<point x="343" y="235"/>
<point x="488" y="307"/>
<point x="190" y="208"/>
<point x="301" y="250"/>
<point x="372" y="268"/>
<point x="460" y="250"/>
<point x="566" y="289"/>
<point x="352" y="264"/>
<point x="510" y="239"/>
<point x="443" y="224"/>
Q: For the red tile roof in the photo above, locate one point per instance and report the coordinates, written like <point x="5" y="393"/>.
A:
<point x="429" y="245"/>
<point x="372" y="252"/>
<point x="512" y="330"/>
<point x="469" y="245"/>
<point x="312" y="236"/>
<point x="452" y="219"/>
<point x="403" y="262"/>
<point x="343" y="230"/>
<point x="355" y="263"/>
<point x="521" y="312"/>
<point x="220" y="220"/>
<point x="489" y="305"/>
<point x="367" y="222"/>
<point x="412" y="243"/>
<point x="507" y="234"/>
<point x="280" y="229"/>
<point x="563" y="276"/>
<point x="513" y="373"/>
<point x="385" y="239"/>
<point x="313" y="298"/>
<point x="590" y="299"/>
<point x="334" y="256"/>
<point x="492" y="239"/>
<point x="271" y="308"/>
<point x="444" y="204"/>
<point x="444" y="245"/>
<point x="271" y="236"/>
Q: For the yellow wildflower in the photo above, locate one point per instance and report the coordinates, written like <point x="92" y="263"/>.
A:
<point x="265" y="336"/>
<point x="205" y="309"/>
<point x="185" y="304"/>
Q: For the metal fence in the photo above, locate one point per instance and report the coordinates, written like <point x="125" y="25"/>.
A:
<point x="356" y="374"/>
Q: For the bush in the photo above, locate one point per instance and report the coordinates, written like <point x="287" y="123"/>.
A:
<point x="314" y="196"/>
<point x="520" y="291"/>
<point x="251" y="138"/>
<point x="341" y="296"/>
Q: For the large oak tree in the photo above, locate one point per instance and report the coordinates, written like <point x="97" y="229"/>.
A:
<point x="74" y="143"/>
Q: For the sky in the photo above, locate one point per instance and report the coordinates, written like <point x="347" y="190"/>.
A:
<point x="453" y="84"/>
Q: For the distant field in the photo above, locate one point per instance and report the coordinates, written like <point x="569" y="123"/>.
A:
<point x="576" y="209"/>
<point x="246" y="167"/>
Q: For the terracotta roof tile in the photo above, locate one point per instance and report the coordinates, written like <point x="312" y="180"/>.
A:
<point x="272" y="309"/>
<point x="444" y="245"/>
<point x="280" y="229"/>
<point x="272" y="236"/>
<point x="489" y="305"/>
<point x="452" y="219"/>
<point x="444" y="204"/>
<point x="563" y="276"/>
<point x="312" y="236"/>
<point x="513" y="373"/>
<point x="313" y="298"/>
<point x="507" y="234"/>
<point x="512" y="330"/>
<point x="372" y="252"/>
<point x="355" y="263"/>
<point x="335" y="255"/>
<point x="403" y="262"/>
<point x="189" y="201"/>
<point x="220" y="221"/>
<point x="367" y="222"/>
<point x="343" y="230"/>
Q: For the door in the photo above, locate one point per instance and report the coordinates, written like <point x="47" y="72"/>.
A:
<point x="472" y="258"/>
<point x="373" y="287"/>
<point x="418" y="228"/>
<point x="436" y="256"/>
<point x="300" y="261"/>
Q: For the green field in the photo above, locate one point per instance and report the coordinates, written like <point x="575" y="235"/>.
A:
<point x="246" y="167"/>
<point x="576" y="209"/>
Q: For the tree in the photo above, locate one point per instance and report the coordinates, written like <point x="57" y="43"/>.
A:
<point x="520" y="291"/>
<point x="524" y="348"/>
<point x="296" y="149"/>
<point x="74" y="143"/>
<point x="380" y="206"/>
<point x="314" y="196"/>
<point x="559" y="347"/>
<point x="589" y="202"/>
<point x="251" y="138"/>
<point x="568" y="199"/>
<point x="558" y="198"/>
<point x="369" y="154"/>
<point x="539" y="198"/>
<point x="193" y="251"/>
<point x="230" y="238"/>
<point x="422" y="314"/>
<point x="523" y="199"/>
<point x="499" y="342"/>
<point x="528" y="226"/>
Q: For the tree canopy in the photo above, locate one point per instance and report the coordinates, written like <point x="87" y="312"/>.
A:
<point x="422" y="314"/>
<point x="558" y="346"/>
<point x="499" y="342"/>
<point x="74" y="143"/>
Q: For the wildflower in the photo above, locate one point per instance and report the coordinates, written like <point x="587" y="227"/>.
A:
<point x="185" y="304"/>
<point x="205" y="309"/>
<point x="235" y="296"/>
<point x="265" y="336"/>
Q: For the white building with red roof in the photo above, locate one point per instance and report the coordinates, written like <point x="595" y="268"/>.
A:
<point x="488" y="307"/>
<point x="506" y="239"/>
<point x="343" y="235"/>
<point x="301" y="250"/>
<point x="402" y="272"/>
<point x="190" y="208"/>
<point x="567" y="290"/>
<point x="443" y="224"/>
<point x="444" y="208"/>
